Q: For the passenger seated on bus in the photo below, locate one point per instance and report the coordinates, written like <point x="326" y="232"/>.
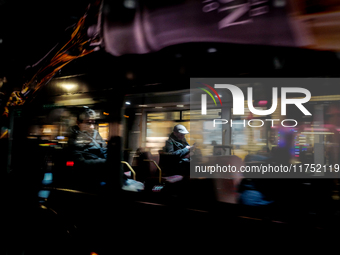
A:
<point x="85" y="142"/>
<point x="177" y="146"/>
<point x="89" y="151"/>
<point x="253" y="193"/>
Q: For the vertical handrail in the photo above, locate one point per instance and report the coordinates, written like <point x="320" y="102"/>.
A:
<point x="131" y="169"/>
<point x="159" y="169"/>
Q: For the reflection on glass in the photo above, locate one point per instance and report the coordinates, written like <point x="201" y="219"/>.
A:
<point x="103" y="129"/>
<point x="162" y="116"/>
<point x="44" y="193"/>
<point x="197" y="115"/>
<point x="159" y="131"/>
<point x="48" y="178"/>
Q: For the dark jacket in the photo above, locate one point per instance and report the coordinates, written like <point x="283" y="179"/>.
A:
<point x="86" y="146"/>
<point x="177" y="148"/>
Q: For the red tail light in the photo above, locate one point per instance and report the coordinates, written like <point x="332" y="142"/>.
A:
<point x="69" y="163"/>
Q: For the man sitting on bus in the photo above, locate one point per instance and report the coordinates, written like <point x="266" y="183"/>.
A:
<point x="89" y="151"/>
<point x="85" y="141"/>
<point x="177" y="146"/>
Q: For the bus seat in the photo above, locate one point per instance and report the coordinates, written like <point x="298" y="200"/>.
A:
<point x="146" y="170"/>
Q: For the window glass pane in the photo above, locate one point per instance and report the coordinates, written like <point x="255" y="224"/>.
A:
<point x="196" y="114"/>
<point x="155" y="116"/>
<point x="251" y="140"/>
<point x="212" y="135"/>
<point x="205" y="136"/>
<point x="103" y="129"/>
<point x="157" y="132"/>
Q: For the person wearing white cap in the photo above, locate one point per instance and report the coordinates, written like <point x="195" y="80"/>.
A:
<point x="178" y="146"/>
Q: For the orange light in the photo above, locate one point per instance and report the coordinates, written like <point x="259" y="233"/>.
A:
<point x="106" y="113"/>
<point x="126" y="116"/>
<point x="93" y="253"/>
